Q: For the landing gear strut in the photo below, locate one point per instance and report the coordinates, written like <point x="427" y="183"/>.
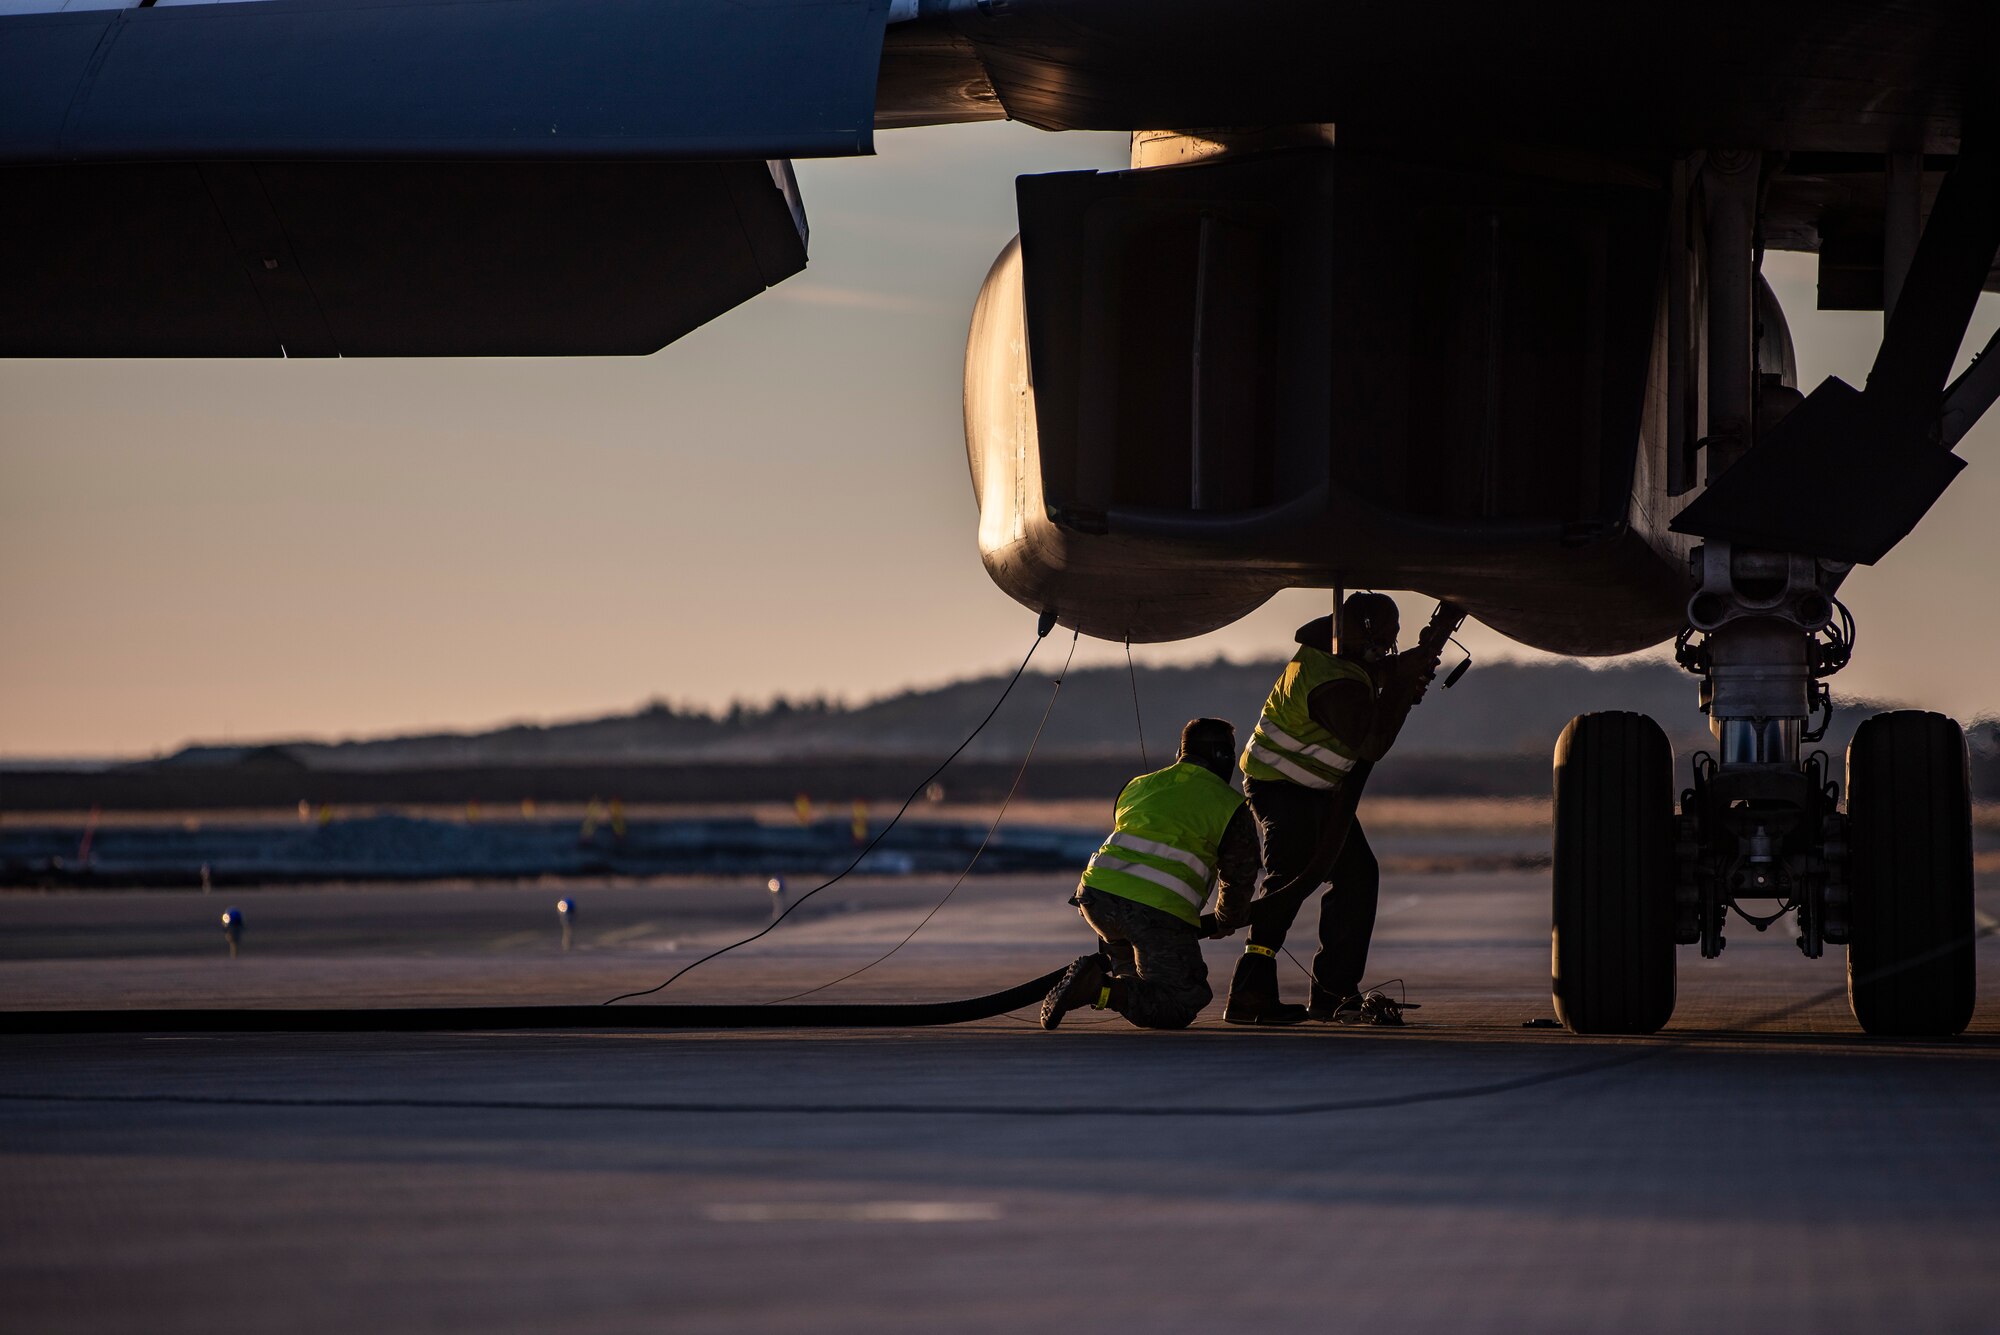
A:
<point x="1760" y="833"/>
<point x="1762" y="821"/>
<point x="1843" y="474"/>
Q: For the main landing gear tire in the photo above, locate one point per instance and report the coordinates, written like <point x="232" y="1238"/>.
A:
<point x="1612" y="952"/>
<point x="1910" y="965"/>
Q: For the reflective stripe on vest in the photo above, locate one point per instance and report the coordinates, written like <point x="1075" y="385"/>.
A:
<point x="1285" y="768"/>
<point x="1126" y="839"/>
<point x="1147" y="872"/>
<point x="1322" y="755"/>
<point x="1162" y="851"/>
<point x="1288" y="743"/>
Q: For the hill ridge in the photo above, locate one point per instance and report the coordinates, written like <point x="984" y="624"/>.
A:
<point x="1498" y="709"/>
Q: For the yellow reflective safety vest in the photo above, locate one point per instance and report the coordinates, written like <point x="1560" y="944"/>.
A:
<point x="1287" y="743"/>
<point x="1163" y="844"/>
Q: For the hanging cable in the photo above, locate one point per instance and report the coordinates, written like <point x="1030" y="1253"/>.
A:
<point x="1042" y="628"/>
<point x="1019" y="774"/>
<point x="1300" y="967"/>
<point x="1145" y="764"/>
<point x="1366" y="988"/>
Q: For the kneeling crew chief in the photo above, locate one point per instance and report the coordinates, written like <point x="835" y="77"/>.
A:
<point x="1177" y="833"/>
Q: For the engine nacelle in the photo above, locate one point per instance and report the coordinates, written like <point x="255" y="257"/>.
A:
<point x="1108" y="587"/>
<point x="1188" y="387"/>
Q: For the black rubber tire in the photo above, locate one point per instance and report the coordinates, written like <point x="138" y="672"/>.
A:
<point x="1612" y="953"/>
<point x="1910" y="967"/>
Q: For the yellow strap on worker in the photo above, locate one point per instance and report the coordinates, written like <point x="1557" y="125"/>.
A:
<point x="1103" y="998"/>
<point x="1259" y="950"/>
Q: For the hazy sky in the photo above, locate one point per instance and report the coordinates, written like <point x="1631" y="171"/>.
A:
<point x="777" y="503"/>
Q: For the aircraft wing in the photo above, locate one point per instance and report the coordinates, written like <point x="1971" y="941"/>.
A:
<point x="327" y="177"/>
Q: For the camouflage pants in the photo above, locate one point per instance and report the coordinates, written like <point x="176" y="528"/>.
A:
<point x="1158" y="957"/>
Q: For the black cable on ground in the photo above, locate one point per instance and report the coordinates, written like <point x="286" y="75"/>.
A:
<point x="481" y="1019"/>
<point x="1624" y="1053"/>
<point x="475" y="1019"/>
<point x="1042" y="628"/>
<point x="977" y="853"/>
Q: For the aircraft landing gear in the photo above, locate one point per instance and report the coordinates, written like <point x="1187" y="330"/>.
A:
<point x="1612" y="948"/>
<point x="1763" y="822"/>
<point x="1890" y="878"/>
<point x="1909" y="815"/>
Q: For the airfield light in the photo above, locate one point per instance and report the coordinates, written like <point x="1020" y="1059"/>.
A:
<point x="232" y="928"/>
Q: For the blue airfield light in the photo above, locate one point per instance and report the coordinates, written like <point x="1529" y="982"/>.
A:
<point x="232" y="928"/>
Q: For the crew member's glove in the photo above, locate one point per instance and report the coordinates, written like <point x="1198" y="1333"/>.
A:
<point x="1232" y="912"/>
<point x="1408" y="675"/>
<point x="1419" y="662"/>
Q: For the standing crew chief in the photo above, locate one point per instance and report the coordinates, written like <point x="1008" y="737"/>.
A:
<point x="1177" y="832"/>
<point x="1329" y="713"/>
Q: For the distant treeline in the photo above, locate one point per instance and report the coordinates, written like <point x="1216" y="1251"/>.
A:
<point x="1492" y="734"/>
<point x="1497" y="709"/>
<point x="829" y="783"/>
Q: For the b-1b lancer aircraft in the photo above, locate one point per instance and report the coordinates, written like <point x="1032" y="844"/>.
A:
<point x="1464" y="299"/>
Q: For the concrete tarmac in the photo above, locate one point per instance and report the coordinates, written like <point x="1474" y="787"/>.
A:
<point x="1760" y="1166"/>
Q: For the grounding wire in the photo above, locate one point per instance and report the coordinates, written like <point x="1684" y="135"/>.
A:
<point x="1133" y="672"/>
<point x="1042" y="629"/>
<point x="1366" y="988"/>
<point x="1300" y="967"/>
<point x="977" y="853"/>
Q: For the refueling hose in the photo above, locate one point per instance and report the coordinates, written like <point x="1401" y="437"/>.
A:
<point x="478" y="1019"/>
<point x="473" y="1019"/>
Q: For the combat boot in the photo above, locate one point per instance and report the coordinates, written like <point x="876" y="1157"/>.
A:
<point x="1253" y="991"/>
<point x="1087" y="982"/>
<point x="1325" y="1005"/>
<point x="1334" y="1010"/>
